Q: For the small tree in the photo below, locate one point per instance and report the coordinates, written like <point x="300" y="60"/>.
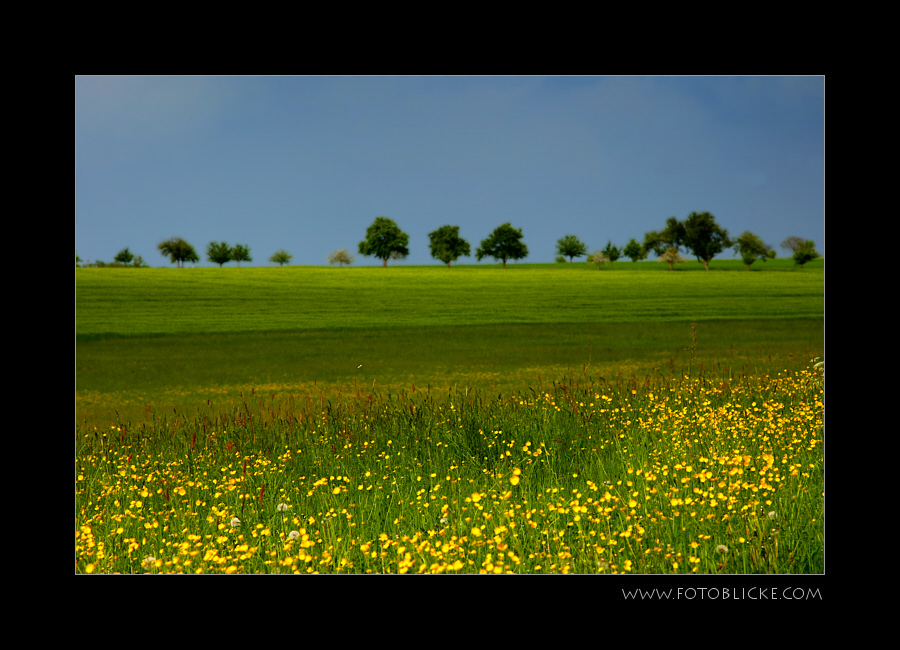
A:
<point x="805" y="253"/>
<point x="611" y="252"/>
<point x="634" y="251"/>
<point x="503" y="244"/>
<point x="179" y="251"/>
<point x="793" y="243"/>
<point x="281" y="257"/>
<point x="571" y="247"/>
<point x="341" y="256"/>
<point x="124" y="256"/>
<point x="240" y="254"/>
<point x="599" y="258"/>
<point x="384" y="237"/>
<point x="447" y="246"/>
<point x="671" y="257"/>
<point x="218" y="253"/>
<point x="752" y="248"/>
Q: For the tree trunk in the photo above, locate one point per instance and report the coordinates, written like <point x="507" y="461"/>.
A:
<point x="384" y="263"/>
<point x="706" y="264"/>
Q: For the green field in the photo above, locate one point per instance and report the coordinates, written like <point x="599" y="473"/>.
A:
<point x="533" y="419"/>
<point x="174" y="338"/>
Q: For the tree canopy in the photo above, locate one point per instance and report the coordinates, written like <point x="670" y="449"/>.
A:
<point x="612" y="252"/>
<point x="660" y="241"/>
<point x="571" y="247"/>
<point x="241" y="253"/>
<point x="634" y="251"/>
<point x="704" y="237"/>
<point x="806" y="252"/>
<point x="281" y="257"/>
<point x="599" y="258"/>
<point x="384" y="237"/>
<point x="503" y="244"/>
<point x="751" y="248"/>
<point x="178" y="251"/>
<point x="671" y="256"/>
<point x="341" y="256"/>
<point x="446" y="244"/>
<point x="124" y="256"/>
<point x="218" y="253"/>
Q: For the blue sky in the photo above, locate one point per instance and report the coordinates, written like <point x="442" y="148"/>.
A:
<point x="305" y="164"/>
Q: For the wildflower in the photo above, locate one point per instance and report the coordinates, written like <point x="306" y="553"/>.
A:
<point x="772" y="515"/>
<point x="235" y="522"/>
<point x="282" y="507"/>
<point x="148" y="562"/>
<point x="294" y="535"/>
<point x="721" y="548"/>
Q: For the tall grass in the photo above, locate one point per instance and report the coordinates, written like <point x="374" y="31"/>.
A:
<point x="684" y="471"/>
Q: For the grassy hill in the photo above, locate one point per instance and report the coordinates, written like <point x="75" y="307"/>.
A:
<point x="181" y="336"/>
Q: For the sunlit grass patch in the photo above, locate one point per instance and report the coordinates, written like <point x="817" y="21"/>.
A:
<point x="688" y="474"/>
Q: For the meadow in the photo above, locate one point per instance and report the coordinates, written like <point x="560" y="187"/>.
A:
<point x="537" y="419"/>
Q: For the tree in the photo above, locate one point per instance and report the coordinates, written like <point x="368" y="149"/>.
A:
<point x="571" y="247"/>
<point x="634" y="251"/>
<point x="446" y="245"/>
<point x="660" y="241"/>
<point x="384" y="237"/>
<point x="179" y="251"/>
<point x="218" y="253"/>
<point x="503" y="244"/>
<point x="281" y="257"/>
<point x="806" y="252"/>
<point x="611" y="252"/>
<point x="341" y="256"/>
<point x="752" y="248"/>
<point x="704" y="237"/>
<point x="240" y="254"/>
<point x="124" y="256"/>
<point x="793" y="243"/>
<point x="671" y="257"/>
<point x="599" y="258"/>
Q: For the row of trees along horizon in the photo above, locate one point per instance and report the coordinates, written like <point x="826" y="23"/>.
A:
<point x="698" y="234"/>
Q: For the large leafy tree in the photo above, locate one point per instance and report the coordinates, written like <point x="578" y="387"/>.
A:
<point x="703" y="237"/>
<point x="179" y="251"/>
<point x="571" y="247"/>
<point x="503" y="244"/>
<point x="218" y="253"/>
<point x="446" y="244"/>
<point x="240" y="254"/>
<point x="751" y="248"/>
<point x="384" y="237"/>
